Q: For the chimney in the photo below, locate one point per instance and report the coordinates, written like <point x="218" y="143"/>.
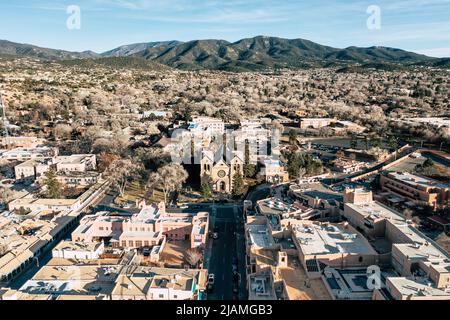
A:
<point x="282" y="259"/>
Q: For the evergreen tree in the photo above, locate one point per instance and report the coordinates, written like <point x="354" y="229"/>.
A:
<point x="428" y="163"/>
<point x="54" y="187"/>
<point x="354" y="142"/>
<point x="293" y="165"/>
<point x="249" y="169"/>
<point x="206" y="191"/>
<point x="238" y="185"/>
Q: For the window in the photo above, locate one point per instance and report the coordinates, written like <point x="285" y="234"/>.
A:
<point x="161" y="296"/>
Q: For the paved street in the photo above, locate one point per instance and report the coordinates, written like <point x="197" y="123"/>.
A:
<point x="231" y="244"/>
<point x="260" y="192"/>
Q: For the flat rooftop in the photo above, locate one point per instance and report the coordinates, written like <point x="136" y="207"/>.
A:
<point x="351" y="283"/>
<point x="77" y="246"/>
<point x="415" y="180"/>
<point x="324" y="239"/>
<point x="35" y="162"/>
<point x="73" y="280"/>
<point x="261" y="288"/>
<point x="419" y="243"/>
<point x="145" y="278"/>
<point x="177" y="282"/>
<point x="417" y="288"/>
<point x="316" y="190"/>
<point x="259" y="236"/>
<point x="276" y="206"/>
<point x="72" y="159"/>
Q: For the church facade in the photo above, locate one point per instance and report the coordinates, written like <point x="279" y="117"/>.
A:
<point x="219" y="173"/>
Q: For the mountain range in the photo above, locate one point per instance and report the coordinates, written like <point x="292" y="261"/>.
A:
<point x="252" y="54"/>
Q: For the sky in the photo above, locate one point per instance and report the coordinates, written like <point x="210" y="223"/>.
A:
<point x="421" y="26"/>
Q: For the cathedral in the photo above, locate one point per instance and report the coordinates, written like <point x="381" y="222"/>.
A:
<point x="218" y="172"/>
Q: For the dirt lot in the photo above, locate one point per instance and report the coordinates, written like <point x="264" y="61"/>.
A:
<point x="173" y="253"/>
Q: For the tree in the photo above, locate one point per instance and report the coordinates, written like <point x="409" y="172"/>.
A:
<point x="407" y="213"/>
<point x="4" y="248"/>
<point x="193" y="257"/>
<point x="62" y="131"/>
<point x="293" y="164"/>
<point x="169" y="178"/>
<point x="6" y="195"/>
<point x="152" y="158"/>
<point x="238" y="185"/>
<point x="340" y="154"/>
<point x="293" y="136"/>
<point x="428" y="163"/>
<point x="249" y="169"/>
<point x="206" y="191"/>
<point x="121" y="171"/>
<point x="393" y="143"/>
<point x="276" y="125"/>
<point x="105" y="161"/>
<point x="353" y="142"/>
<point x="301" y="173"/>
<point x="54" y="187"/>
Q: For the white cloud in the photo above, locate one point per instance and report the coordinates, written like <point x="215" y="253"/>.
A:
<point x="436" y="52"/>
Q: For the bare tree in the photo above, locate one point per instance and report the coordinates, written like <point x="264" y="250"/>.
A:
<point x="4" y="248"/>
<point x="62" y="131"/>
<point x="6" y="195"/>
<point x="193" y="257"/>
<point x="121" y="172"/>
<point x="169" y="178"/>
<point x="301" y="173"/>
<point x="407" y="213"/>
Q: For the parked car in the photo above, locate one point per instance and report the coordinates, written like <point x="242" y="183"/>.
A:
<point x="211" y="280"/>
<point x="146" y="252"/>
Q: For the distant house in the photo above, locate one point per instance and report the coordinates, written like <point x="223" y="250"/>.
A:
<point x="315" y="123"/>
<point x="24" y="154"/>
<point x="416" y="188"/>
<point x="273" y="171"/>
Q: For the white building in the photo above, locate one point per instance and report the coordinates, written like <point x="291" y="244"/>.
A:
<point x="216" y="126"/>
<point x="24" y="154"/>
<point x="78" y="250"/>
